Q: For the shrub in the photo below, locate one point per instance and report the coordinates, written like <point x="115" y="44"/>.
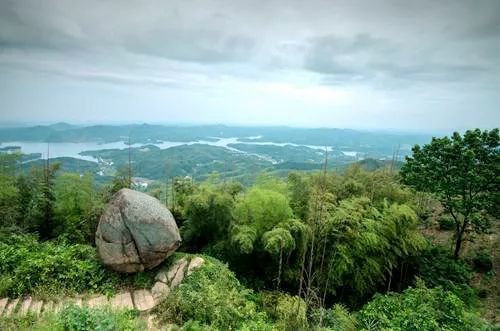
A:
<point x="74" y="318"/>
<point x="337" y="318"/>
<point x="288" y="312"/>
<point x="214" y="298"/>
<point x="28" y="266"/>
<point x="437" y="267"/>
<point x="446" y="223"/>
<point x="31" y="265"/>
<point x="482" y="262"/>
<point x="419" y="309"/>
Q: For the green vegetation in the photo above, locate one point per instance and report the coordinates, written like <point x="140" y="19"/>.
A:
<point x="50" y="267"/>
<point x="213" y="297"/>
<point x="463" y="174"/>
<point x="315" y="250"/>
<point x="419" y="309"/>
<point x="74" y="318"/>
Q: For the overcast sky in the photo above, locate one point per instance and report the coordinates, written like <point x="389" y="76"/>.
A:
<point x="411" y="65"/>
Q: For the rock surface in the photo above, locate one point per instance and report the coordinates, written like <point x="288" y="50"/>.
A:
<point x="25" y="306"/>
<point x="36" y="307"/>
<point x="160" y="291"/>
<point x="99" y="301"/>
<point x="136" y="232"/>
<point x="11" y="307"/>
<point x="143" y="300"/>
<point x="3" y="304"/>
<point x="195" y="263"/>
<point x="122" y="300"/>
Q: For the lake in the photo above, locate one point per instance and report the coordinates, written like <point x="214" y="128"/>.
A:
<point x="67" y="149"/>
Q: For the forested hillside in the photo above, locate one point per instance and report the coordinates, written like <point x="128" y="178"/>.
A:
<point x="377" y="245"/>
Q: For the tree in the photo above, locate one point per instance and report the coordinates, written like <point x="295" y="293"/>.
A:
<point x="47" y="201"/>
<point x="208" y="217"/>
<point x="77" y="207"/>
<point x="463" y="173"/>
<point x="264" y="228"/>
<point x="369" y="244"/>
<point x="9" y="193"/>
<point x="256" y="213"/>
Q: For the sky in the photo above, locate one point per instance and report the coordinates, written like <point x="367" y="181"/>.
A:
<point x="421" y="65"/>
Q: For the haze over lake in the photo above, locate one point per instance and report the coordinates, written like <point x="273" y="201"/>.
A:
<point x="74" y="150"/>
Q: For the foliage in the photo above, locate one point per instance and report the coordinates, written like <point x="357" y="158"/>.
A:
<point x="287" y="312"/>
<point x="77" y="208"/>
<point x="9" y="192"/>
<point x="482" y="261"/>
<point x="213" y="297"/>
<point x="446" y="223"/>
<point x="75" y="318"/>
<point x="436" y="267"/>
<point x="27" y="266"/>
<point x="463" y="173"/>
<point x="336" y="318"/>
<point x="30" y="265"/>
<point x="369" y="243"/>
<point x="299" y="195"/>
<point x="265" y="230"/>
<point x="261" y="209"/>
<point x="419" y="309"/>
<point x="208" y="214"/>
<point x="319" y="240"/>
<point x="36" y="200"/>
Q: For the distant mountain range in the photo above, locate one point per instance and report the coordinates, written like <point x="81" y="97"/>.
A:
<point x="277" y="150"/>
<point x="147" y="133"/>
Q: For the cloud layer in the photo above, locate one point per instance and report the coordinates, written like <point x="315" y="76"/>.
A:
<point x="417" y="65"/>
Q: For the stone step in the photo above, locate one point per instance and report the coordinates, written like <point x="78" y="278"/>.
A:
<point x="179" y="275"/>
<point x="195" y="263"/>
<point x="160" y="291"/>
<point x="36" y="307"/>
<point x="58" y="307"/>
<point x="3" y="304"/>
<point x="97" y="301"/>
<point x="143" y="300"/>
<point x="25" y="306"/>
<point x="77" y="301"/>
<point x="48" y="306"/>
<point x="11" y="307"/>
<point x="122" y="300"/>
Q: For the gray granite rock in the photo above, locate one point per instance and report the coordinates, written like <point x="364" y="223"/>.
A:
<point x="136" y="232"/>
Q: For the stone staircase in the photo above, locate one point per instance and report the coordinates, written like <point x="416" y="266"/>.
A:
<point x="142" y="300"/>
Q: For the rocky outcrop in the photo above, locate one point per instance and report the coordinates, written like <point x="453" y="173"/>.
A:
<point x="135" y="232"/>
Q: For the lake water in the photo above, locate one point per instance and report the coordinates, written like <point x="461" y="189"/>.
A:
<point x="73" y="150"/>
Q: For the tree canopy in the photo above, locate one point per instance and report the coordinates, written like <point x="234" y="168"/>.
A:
<point x="463" y="172"/>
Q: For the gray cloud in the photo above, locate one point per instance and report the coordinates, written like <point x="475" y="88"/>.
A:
<point x="193" y="45"/>
<point x="385" y="52"/>
<point x="167" y="35"/>
<point x="363" y="57"/>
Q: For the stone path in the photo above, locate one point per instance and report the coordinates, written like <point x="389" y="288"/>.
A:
<point x="142" y="300"/>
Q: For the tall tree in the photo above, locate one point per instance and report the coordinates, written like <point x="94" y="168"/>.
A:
<point x="9" y="193"/>
<point x="463" y="173"/>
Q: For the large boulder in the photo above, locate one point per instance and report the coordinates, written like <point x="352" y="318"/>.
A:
<point x="135" y="232"/>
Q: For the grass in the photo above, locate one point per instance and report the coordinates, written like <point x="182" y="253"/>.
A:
<point x="49" y="270"/>
<point x="74" y="318"/>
